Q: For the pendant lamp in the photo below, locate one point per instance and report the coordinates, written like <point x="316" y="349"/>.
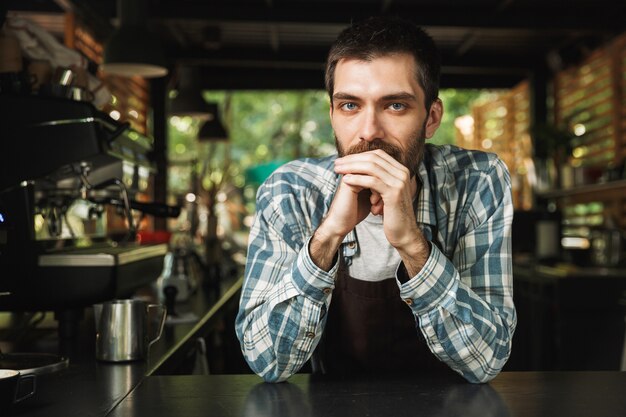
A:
<point x="188" y="100"/>
<point x="132" y="50"/>
<point x="213" y="130"/>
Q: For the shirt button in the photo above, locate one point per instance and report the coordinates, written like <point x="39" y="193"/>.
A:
<point x="327" y="291"/>
<point x="352" y="245"/>
<point x="408" y="301"/>
<point x="310" y="334"/>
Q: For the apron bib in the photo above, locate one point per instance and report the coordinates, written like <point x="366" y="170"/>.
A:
<point x="370" y="330"/>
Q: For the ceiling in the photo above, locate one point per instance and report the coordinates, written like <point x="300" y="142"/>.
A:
<point x="244" y="44"/>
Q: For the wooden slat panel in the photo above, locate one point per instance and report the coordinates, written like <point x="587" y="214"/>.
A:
<point x="588" y="100"/>
<point x="594" y="126"/>
<point x="600" y="143"/>
<point x="597" y="151"/>
<point x="600" y="138"/>
<point x="569" y="92"/>
<point x="601" y="108"/>
<point x="503" y="125"/>
<point x="619" y="84"/>
<point x="592" y="64"/>
<point x="586" y="95"/>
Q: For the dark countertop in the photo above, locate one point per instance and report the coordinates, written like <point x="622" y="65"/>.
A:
<point x="88" y="387"/>
<point x="511" y="394"/>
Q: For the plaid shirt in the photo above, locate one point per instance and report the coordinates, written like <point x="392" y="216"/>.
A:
<point x="462" y="298"/>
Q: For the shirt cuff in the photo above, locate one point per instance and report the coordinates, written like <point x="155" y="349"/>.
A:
<point x="312" y="281"/>
<point x="431" y="286"/>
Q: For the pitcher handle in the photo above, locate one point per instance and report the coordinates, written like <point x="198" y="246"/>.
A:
<point x="163" y="310"/>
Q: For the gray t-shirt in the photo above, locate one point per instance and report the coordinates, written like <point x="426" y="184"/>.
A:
<point x="375" y="259"/>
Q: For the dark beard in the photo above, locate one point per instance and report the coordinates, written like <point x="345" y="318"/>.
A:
<point x="411" y="159"/>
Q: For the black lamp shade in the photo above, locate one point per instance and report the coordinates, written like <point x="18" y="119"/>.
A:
<point x="133" y="51"/>
<point x="213" y="129"/>
<point x="189" y="100"/>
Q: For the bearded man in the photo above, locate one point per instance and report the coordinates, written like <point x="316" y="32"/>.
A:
<point x="393" y="255"/>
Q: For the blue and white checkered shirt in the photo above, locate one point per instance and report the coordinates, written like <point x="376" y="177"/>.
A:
<point x="462" y="298"/>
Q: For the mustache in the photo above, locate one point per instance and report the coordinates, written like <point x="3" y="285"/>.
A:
<point x="364" y="146"/>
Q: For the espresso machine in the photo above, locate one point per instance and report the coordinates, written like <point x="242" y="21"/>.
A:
<point x="68" y="174"/>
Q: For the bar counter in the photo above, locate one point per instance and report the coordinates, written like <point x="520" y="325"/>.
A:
<point x="570" y="318"/>
<point x="157" y="387"/>
<point x="511" y="394"/>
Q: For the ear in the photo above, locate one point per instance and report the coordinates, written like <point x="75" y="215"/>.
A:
<point x="435" y="114"/>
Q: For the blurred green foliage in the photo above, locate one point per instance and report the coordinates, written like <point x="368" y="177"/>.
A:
<point x="266" y="129"/>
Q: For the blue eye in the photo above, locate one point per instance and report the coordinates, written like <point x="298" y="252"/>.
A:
<point x="397" y="106"/>
<point x="348" y="106"/>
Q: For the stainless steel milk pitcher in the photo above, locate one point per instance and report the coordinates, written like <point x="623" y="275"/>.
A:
<point x="125" y="329"/>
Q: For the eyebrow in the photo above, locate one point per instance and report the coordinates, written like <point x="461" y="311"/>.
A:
<point x="388" y="97"/>
<point x="400" y="96"/>
<point x="344" y="96"/>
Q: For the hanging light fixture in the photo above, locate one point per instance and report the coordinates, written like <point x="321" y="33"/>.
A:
<point x="213" y="130"/>
<point x="132" y="50"/>
<point x="188" y="100"/>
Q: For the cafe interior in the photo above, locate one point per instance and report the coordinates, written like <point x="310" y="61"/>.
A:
<point x="135" y="134"/>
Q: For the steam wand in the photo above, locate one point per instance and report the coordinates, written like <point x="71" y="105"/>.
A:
<point x="85" y="185"/>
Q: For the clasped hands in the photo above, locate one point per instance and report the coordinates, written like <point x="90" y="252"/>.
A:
<point x="374" y="182"/>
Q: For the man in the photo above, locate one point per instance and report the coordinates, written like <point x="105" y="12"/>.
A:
<point x="393" y="256"/>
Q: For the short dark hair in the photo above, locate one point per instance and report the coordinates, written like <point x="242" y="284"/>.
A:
<point x="381" y="36"/>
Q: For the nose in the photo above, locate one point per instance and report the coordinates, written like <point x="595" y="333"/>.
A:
<point x="371" y="126"/>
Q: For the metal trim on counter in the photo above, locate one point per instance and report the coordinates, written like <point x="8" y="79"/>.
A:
<point x="566" y="270"/>
<point x="201" y="327"/>
<point x="102" y="258"/>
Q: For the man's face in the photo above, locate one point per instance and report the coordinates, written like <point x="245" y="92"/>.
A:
<point x="379" y="104"/>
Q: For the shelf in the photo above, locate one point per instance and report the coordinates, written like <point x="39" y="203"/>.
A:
<point x="583" y="189"/>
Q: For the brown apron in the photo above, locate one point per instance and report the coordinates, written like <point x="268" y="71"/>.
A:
<point x="370" y="330"/>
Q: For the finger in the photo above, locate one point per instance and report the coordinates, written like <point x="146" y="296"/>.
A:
<point x="377" y="157"/>
<point x="378" y="211"/>
<point x="371" y="169"/>
<point x="378" y="208"/>
<point x="381" y="193"/>
<point x="371" y="163"/>
<point x="375" y="198"/>
<point x="364" y="181"/>
<point x="348" y="185"/>
<point x="382" y="158"/>
<point x="377" y="203"/>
